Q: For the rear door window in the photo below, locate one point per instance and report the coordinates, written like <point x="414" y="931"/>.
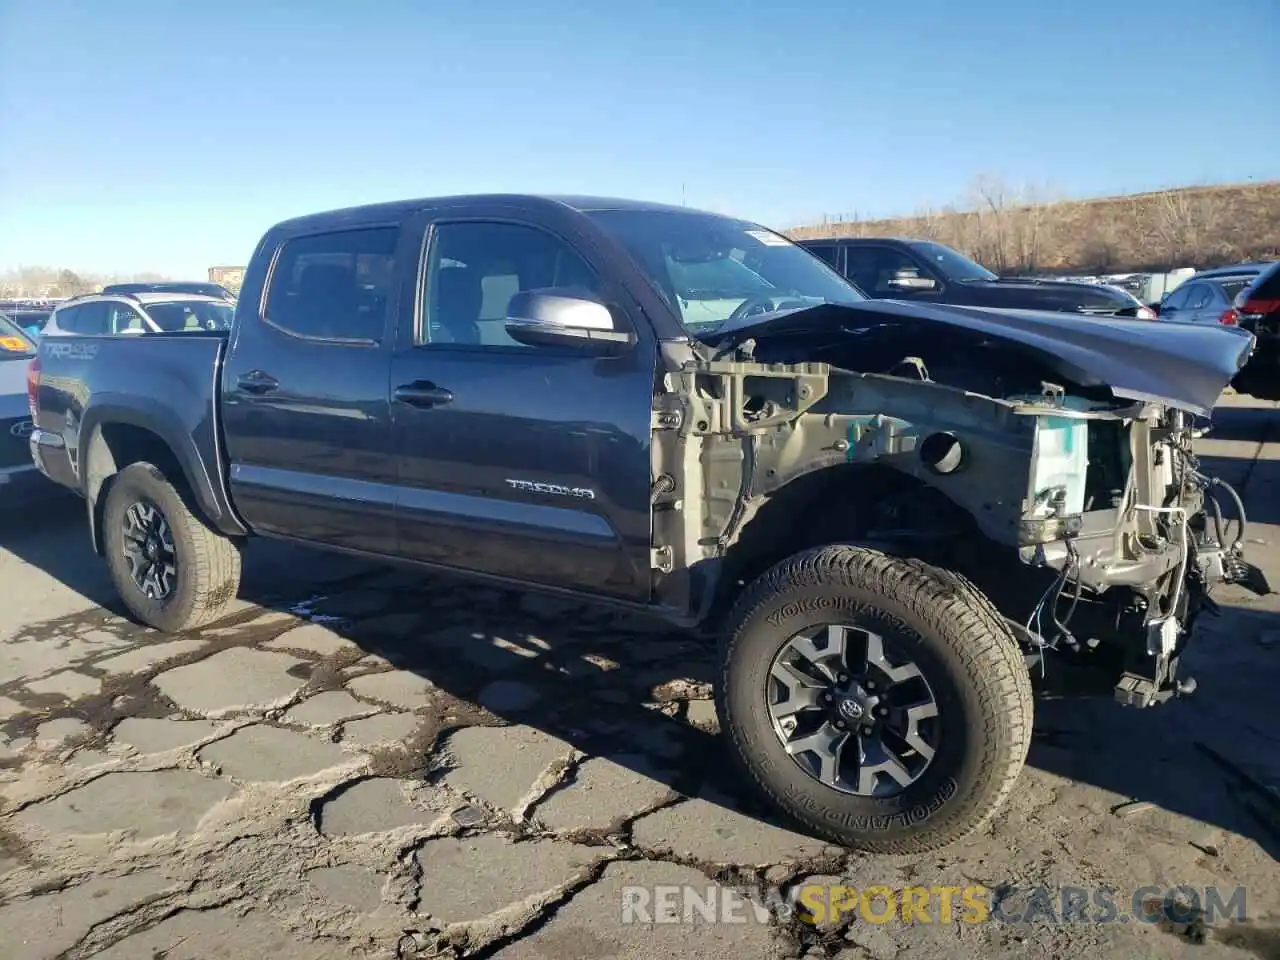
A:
<point x="1176" y="300"/>
<point x="334" y="286"/>
<point x="1199" y="296"/>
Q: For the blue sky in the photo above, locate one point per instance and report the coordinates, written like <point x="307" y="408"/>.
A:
<point x="150" y="135"/>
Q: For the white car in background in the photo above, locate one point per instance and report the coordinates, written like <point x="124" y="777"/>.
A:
<point x="107" y="314"/>
<point x="19" y="478"/>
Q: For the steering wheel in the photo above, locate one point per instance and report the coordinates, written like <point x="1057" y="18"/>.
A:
<point x="752" y="306"/>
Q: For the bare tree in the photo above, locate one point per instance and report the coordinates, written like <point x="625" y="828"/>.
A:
<point x="1177" y="221"/>
<point x="990" y="197"/>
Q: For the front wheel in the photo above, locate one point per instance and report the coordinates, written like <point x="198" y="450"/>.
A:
<point x="878" y="701"/>
<point x="172" y="570"/>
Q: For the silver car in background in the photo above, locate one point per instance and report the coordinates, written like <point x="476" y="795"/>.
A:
<point x="18" y="474"/>
<point x="110" y="314"/>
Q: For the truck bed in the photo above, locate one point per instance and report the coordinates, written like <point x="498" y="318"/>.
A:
<point x="162" y="386"/>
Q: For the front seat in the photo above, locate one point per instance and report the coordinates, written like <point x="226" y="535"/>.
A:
<point x="455" y="306"/>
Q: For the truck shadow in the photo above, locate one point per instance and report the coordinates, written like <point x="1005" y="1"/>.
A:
<point x="52" y="535"/>
<point x="608" y="684"/>
<point x="1244" y="423"/>
<point x="628" y="689"/>
<point x="1165" y="755"/>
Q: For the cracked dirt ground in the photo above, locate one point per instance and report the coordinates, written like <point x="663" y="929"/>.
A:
<point x="365" y="762"/>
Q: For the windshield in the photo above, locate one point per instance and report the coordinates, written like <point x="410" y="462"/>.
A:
<point x="952" y="264"/>
<point x="14" y="343"/>
<point x="184" y="315"/>
<point x="711" y="269"/>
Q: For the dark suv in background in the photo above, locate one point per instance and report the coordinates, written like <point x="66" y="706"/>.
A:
<point x="1257" y="309"/>
<point x="922" y="270"/>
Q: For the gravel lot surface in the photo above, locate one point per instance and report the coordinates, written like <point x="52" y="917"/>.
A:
<point x="363" y="762"/>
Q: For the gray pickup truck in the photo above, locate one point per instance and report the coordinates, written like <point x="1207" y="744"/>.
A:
<point x="884" y="513"/>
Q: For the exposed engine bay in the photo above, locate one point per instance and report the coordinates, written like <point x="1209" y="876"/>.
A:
<point x="1062" y="482"/>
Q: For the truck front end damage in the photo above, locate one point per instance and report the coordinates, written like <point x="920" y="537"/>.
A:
<point x="1074" y="502"/>
<point x="1117" y="504"/>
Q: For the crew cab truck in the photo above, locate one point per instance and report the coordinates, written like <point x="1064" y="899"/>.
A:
<point x="883" y="512"/>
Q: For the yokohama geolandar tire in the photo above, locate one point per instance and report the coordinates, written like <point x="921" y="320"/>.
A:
<point x="878" y="701"/>
<point x="171" y="569"/>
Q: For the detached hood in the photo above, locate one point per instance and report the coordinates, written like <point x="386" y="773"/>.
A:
<point x="1181" y="364"/>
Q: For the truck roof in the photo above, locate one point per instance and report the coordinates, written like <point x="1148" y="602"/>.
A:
<point x="396" y="208"/>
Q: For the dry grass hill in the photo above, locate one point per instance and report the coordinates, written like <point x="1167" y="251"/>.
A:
<point x="1190" y="226"/>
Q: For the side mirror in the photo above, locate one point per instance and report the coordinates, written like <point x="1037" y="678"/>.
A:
<point x="565" y="317"/>
<point x="907" y="279"/>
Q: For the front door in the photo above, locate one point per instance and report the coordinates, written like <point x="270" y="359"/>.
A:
<point x="883" y="272"/>
<point x="524" y="462"/>
<point x="305" y="405"/>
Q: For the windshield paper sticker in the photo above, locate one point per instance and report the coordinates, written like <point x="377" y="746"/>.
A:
<point x="769" y="239"/>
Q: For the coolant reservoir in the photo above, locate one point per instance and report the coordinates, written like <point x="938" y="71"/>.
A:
<point x="1062" y="460"/>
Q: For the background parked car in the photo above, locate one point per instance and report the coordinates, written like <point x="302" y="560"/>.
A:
<point x="906" y="269"/>
<point x="172" y="286"/>
<point x="30" y="318"/>
<point x="1209" y="296"/>
<point x="1257" y="308"/>
<point x="128" y="313"/>
<point x="18" y="473"/>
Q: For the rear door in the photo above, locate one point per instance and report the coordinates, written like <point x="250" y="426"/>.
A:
<point x="304" y="409"/>
<point x="1173" y="306"/>
<point x="524" y="462"/>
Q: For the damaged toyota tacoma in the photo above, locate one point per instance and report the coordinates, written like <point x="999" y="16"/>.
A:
<point x="886" y="514"/>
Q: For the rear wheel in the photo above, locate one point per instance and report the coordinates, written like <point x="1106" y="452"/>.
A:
<point x="879" y="701"/>
<point x="172" y="570"/>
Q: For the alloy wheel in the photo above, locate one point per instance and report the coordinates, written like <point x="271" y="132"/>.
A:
<point x="851" y="711"/>
<point x="148" y="548"/>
